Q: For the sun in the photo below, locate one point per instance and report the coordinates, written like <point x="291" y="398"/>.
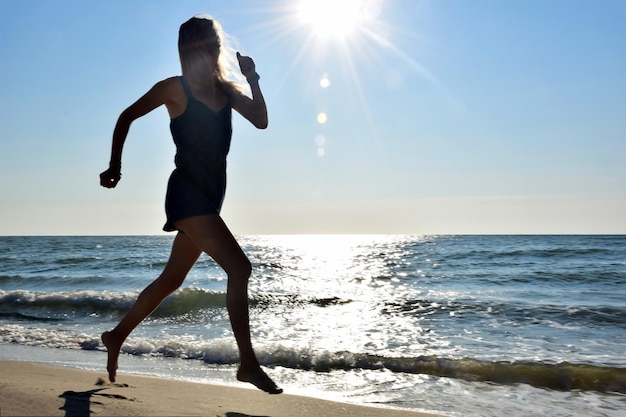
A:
<point x="332" y="19"/>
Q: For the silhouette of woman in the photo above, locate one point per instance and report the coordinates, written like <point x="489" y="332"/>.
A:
<point x="199" y="104"/>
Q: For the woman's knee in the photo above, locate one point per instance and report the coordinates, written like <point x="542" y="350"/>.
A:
<point x="239" y="274"/>
<point x="247" y="267"/>
<point x="242" y="270"/>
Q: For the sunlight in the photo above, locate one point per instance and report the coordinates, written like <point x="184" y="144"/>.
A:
<point x="327" y="257"/>
<point x="332" y="19"/>
<point x="350" y="38"/>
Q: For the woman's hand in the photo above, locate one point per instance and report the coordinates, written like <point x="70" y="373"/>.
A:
<point x="110" y="177"/>
<point x="253" y="109"/>
<point x="248" y="69"/>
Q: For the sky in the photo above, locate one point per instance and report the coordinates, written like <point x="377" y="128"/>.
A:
<point x="386" y="116"/>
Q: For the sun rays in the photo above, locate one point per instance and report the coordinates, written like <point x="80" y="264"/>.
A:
<point x="331" y="19"/>
<point x="339" y="31"/>
<point x="334" y="46"/>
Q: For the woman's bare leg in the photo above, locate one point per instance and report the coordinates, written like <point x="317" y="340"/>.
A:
<point x="182" y="258"/>
<point x="211" y="234"/>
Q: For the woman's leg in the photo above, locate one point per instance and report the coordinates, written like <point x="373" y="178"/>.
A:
<point x="211" y="234"/>
<point x="184" y="254"/>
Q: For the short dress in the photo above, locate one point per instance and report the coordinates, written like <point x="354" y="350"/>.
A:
<point x="198" y="183"/>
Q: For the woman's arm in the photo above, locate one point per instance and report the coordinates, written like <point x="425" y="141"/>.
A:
<point x="253" y="109"/>
<point x="159" y="94"/>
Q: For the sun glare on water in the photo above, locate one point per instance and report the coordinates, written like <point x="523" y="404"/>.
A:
<point x="333" y="19"/>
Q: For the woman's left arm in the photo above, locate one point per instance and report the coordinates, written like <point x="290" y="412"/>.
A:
<point x="253" y="109"/>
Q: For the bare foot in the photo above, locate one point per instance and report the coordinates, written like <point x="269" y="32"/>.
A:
<point x="259" y="379"/>
<point x="113" y="351"/>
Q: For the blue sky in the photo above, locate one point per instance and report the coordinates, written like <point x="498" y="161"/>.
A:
<point x="443" y="116"/>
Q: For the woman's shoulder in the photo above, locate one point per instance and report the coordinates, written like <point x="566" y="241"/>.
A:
<point x="170" y="82"/>
<point x="170" y="91"/>
<point x="170" y="88"/>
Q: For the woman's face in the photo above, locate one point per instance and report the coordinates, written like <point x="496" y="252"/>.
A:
<point x="212" y="50"/>
<point x="203" y="57"/>
<point x="202" y="53"/>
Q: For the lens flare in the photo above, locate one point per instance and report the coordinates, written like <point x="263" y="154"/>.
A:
<point x="320" y="141"/>
<point x="325" y="82"/>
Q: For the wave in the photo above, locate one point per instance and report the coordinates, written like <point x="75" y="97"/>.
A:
<point x="562" y="376"/>
<point x="67" y="305"/>
<point x="45" y="305"/>
<point x="518" y="311"/>
<point x="529" y="254"/>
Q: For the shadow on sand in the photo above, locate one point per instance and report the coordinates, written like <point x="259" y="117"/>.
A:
<point x="77" y="404"/>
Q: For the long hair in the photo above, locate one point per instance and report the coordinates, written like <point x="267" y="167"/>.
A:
<point x="202" y="32"/>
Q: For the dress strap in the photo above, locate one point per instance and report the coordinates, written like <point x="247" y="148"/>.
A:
<point x="186" y="87"/>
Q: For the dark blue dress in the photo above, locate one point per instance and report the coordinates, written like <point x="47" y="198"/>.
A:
<point x="198" y="184"/>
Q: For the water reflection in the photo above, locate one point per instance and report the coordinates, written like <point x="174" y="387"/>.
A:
<point x="339" y="290"/>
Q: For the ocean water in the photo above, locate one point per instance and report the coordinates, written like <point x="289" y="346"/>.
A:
<point x="458" y="325"/>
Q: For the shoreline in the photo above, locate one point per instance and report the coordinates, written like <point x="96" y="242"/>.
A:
<point x="28" y="388"/>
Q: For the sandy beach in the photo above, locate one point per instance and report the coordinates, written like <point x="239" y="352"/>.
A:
<point x="30" y="389"/>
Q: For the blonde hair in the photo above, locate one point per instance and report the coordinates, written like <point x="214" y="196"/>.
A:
<point x="202" y="32"/>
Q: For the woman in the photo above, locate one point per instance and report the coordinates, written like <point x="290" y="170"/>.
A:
<point x="199" y="105"/>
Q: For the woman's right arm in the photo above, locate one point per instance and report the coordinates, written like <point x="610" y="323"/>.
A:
<point x="159" y="94"/>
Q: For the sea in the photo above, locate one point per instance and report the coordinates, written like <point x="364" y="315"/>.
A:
<point x="458" y="325"/>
